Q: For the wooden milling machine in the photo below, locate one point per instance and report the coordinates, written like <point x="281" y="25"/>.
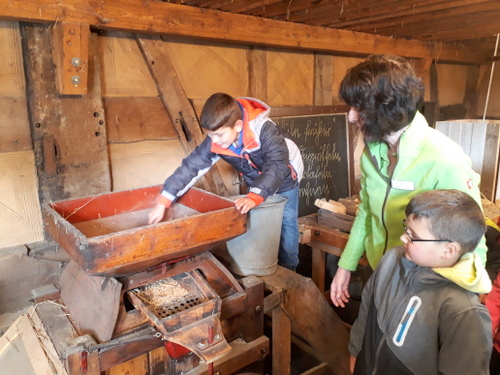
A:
<point x="120" y="264"/>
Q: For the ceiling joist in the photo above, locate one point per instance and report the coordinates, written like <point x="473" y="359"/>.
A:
<point x="148" y="16"/>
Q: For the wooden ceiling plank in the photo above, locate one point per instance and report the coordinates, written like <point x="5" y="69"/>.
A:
<point x="371" y="12"/>
<point x="341" y="11"/>
<point x="304" y="10"/>
<point x="245" y="6"/>
<point x="440" y="16"/>
<point x="280" y="9"/>
<point x="181" y="20"/>
<point x="458" y="27"/>
<point x="404" y="9"/>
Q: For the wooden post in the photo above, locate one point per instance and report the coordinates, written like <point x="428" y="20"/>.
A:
<point x="282" y="339"/>
<point x="69" y="133"/>
<point x="323" y="78"/>
<point x="257" y="73"/>
<point x="305" y="310"/>
<point x="471" y="90"/>
<point x="251" y="322"/>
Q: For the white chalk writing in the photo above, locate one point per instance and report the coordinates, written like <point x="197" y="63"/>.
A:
<point x="316" y="130"/>
<point x="307" y="191"/>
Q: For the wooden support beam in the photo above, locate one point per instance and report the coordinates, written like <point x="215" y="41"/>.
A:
<point x="257" y="73"/>
<point x="180" y="20"/>
<point x="251" y="322"/>
<point x="282" y="338"/>
<point x="471" y="91"/>
<point x="422" y="66"/>
<point x="71" y="57"/>
<point x="323" y="78"/>
<point x="177" y="103"/>
<point x="69" y="133"/>
<point x="311" y="317"/>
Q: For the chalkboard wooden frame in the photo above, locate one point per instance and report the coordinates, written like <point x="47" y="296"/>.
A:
<point x="326" y="141"/>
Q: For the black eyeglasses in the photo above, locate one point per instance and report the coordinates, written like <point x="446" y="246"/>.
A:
<point x="418" y="239"/>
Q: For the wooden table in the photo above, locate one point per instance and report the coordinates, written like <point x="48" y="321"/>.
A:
<point x="322" y="240"/>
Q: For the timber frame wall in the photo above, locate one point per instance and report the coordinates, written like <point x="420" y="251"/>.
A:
<point x="70" y="132"/>
<point x="67" y="134"/>
<point x="63" y="143"/>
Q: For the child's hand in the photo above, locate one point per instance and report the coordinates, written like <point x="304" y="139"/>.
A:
<point x="244" y="204"/>
<point x="156" y="214"/>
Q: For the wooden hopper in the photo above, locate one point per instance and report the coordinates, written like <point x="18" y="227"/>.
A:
<point x="108" y="234"/>
<point x="185" y="310"/>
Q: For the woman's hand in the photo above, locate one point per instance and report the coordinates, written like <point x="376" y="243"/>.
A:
<point x="156" y="214"/>
<point x="244" y="204"/>
<point x="339" y="293"/>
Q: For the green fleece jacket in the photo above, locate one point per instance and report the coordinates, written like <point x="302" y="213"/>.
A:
<point x="426" y="160"/>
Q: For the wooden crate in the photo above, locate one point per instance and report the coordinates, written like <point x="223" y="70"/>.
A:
<point x="108" y="234"/>
<point x="480" y="140"/>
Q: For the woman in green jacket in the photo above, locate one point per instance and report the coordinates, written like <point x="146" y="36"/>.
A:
<point x="403" y="157"/>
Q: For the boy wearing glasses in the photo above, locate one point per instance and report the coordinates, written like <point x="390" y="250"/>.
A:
<point x="420" y="312"/>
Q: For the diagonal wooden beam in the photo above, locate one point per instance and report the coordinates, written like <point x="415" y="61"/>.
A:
<point x="149" y="16"/>
<point x="177" y="104"/>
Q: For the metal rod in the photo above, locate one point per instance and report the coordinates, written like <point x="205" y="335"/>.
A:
<point x="491" y="79"/>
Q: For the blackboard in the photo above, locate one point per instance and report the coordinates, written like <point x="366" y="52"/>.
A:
<point x="324" y="145"/>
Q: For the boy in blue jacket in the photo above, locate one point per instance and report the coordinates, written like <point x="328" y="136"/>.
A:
<point x="420" y="312"/>
<point x="241" y="133"/>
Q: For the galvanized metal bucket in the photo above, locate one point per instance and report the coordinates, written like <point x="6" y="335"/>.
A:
<point x="256" y="251"/>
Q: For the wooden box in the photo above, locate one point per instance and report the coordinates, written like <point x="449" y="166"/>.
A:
<point x="335" y="220"/>
<point x="480" y="140"/>
<point x="108" y="234"/>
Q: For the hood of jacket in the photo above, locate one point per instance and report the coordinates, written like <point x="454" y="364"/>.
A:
<point x="468" y="273"/>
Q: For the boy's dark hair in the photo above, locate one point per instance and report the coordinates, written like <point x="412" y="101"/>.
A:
<point x="220" y="110"/>
<point x="452" y="215"/>
<point x="386" y="92"/>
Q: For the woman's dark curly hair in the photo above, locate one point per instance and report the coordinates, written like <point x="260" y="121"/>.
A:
<point x="386" y="92"/>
